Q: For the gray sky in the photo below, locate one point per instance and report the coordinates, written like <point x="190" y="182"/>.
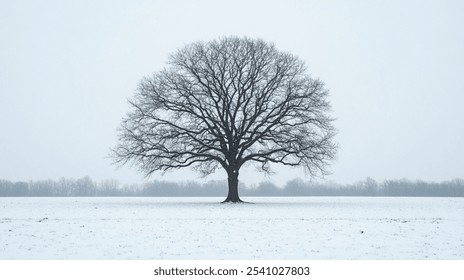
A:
<point x="395" y="70"/>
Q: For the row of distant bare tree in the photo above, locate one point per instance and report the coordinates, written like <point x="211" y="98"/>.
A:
<point x="296" y="187"/>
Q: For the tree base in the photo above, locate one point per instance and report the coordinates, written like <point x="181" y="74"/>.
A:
<point x="232" y="200"/>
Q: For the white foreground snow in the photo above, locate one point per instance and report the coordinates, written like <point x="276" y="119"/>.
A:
<point x="202" y="228"/>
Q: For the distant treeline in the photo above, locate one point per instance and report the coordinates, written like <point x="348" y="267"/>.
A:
<point x="296" y="187"/>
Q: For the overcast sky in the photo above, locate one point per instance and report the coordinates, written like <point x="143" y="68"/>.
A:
<point x="395" y="70"/>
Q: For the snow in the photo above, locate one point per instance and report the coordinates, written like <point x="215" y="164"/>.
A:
<point x="202" y="228"/>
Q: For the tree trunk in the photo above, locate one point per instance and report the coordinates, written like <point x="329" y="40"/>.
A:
<point x="232" y="196"/>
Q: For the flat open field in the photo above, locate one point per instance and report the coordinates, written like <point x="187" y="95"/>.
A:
<point x="202" y="228"/>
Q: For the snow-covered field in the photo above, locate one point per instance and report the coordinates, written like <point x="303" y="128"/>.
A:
<point x="202" y="228"/>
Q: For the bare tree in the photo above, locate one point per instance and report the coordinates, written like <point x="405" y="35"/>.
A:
<point x="226" y="103"/>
